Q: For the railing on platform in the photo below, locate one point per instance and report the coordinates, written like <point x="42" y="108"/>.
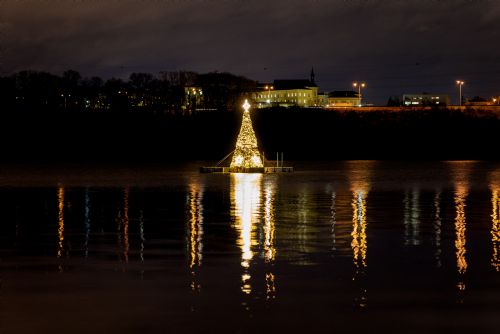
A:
<point x="281" y="169"/>
<point x="267" y="170"/>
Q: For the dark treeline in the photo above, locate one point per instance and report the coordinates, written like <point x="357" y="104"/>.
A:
<point x="168" y="92"/>
<point x="302" y="134"/>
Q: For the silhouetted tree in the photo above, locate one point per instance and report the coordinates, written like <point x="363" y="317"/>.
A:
<point x="116" y="92"/>
<point x="33" y="90"/>
<point x="91" y="89"/>
<point x="8" y="92"/>
<point x="224" y="90"/>
<point x="37" y="90"/>
<point x="141" y="81"/>
<point x="394" y="101"/>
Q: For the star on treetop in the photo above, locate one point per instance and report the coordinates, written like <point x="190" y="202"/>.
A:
<point x="246" y="106"/>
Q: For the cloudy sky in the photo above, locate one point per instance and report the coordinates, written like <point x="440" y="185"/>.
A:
<point x="396" y="46"/>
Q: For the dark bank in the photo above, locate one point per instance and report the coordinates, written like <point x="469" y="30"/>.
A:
<point x="302" y="134"/>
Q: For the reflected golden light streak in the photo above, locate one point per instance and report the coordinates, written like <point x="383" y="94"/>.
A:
<point x="333" y="220"/>
<point x="412" y="217"/>
<point x="360" y="172"/>
<point x="87" y="222"/>
<point x="246" y="287"/>
<point x="269" y="225"/>
<point x="437" y="227"/>
<point x="125" y="222"/>
<point x="269" y="237"/>
<point x="245" y="197"/>
<point x="60" y="219"/>
<point x="495" y="229"/>
<point x="305" y="215"/>
<point x="359" y="239"/>
<point x="270" y="286"/>
<point x="359" y="243"/>
<point x="195" y="198"/>
<point x="141" y="232"/>
<point x="195" y="226"/>
<point x="359" y="175"/>
<point x="460" y="171"/>
<point x="460" y="227"/>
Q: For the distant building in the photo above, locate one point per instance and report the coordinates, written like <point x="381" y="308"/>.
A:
<point x="480" y="101"/>
<point x="322" y="99"/>
<point x="287" y="93"/>
<point x="343" y="98"/>
<point x="425" y="99"/>
<point x="193" y="98"/>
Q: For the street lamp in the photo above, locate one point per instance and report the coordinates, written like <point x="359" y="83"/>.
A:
<point x="359" y="85"/>
<point x="460" y="83"/>
<point x="269" y="93"/>
<point x="65" y="96"/>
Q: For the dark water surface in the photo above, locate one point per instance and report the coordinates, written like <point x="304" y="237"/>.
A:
<point x="351" y="246"/>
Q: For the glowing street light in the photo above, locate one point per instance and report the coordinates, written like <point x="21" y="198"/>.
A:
<point x="359" y="85"/>
<point x="269" y="88"/>
<point x="65" y="96"/>
<point x="460" y="83"/>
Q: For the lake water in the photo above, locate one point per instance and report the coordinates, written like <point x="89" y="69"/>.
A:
<point x="358" y="246"/>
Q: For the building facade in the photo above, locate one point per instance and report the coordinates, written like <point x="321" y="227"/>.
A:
<point x="193" y="98"/>
<point x="344" y="98"/>
<point x="286" y="93"/>
<point x="425" y="99"/>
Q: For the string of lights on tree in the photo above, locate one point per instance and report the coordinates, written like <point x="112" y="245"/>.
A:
<point x="246" y="154"/>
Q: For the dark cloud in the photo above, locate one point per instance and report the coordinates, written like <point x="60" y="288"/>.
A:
<point x="396" y="46"/>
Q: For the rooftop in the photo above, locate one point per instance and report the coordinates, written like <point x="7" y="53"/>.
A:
<point x="293" y="84"/>
<point x="343" y="93"/>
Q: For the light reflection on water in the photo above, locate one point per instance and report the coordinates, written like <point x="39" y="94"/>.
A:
<point x="250" y="239"/>
<point x="460" y="227"/>
<point x="360" y="187"/>
<point x="87" y="222"/>
<point x="359" y="242"/>
<point x="412" y="217"/>
<point x="123" y="226"/>
<point x="437" y="227"/>
<point x="195" y="237"/>
<point x="60" y="220"/>
<point x="269" y="223"/>
<point x="461" y="172"/>
<point x="246" y="200"/>
<point x="495" y="228"/>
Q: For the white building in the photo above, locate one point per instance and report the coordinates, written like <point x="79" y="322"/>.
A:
<point x="425" y="99"/>
<point x="286" y="93"/>
<point x="344" y="98"/>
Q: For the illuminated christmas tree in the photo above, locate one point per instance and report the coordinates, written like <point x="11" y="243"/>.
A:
<point x="247" y="153"/>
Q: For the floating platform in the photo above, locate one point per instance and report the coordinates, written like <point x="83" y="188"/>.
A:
<point x="262" y="170"/>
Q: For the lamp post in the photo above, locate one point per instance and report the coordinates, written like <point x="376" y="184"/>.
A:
<point x="65" y="96"/>
<point x="359" y="85"/>
<point x="460" y="83"/>
<point x="269" y="93"/>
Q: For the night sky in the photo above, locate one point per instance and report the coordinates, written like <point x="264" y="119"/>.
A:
<point x="397" y="47"/>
